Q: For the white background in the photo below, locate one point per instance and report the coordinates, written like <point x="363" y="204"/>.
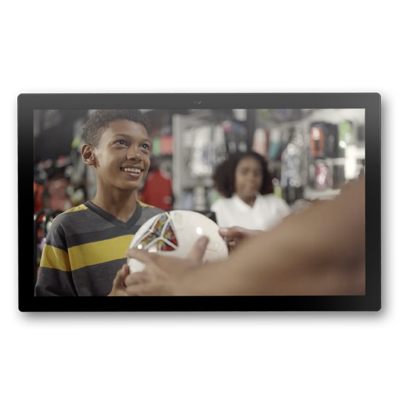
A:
<point x="203" y="46"/>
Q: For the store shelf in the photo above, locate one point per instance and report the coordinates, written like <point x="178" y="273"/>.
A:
<point x="206" y="182"/>
<point x="314" y="194"/>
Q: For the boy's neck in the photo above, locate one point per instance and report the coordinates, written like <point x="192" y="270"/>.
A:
<point x="120" y="205"/>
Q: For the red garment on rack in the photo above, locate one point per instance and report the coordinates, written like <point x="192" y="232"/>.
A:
<point x="157" y="190"/>
<point x="37" y="197"/>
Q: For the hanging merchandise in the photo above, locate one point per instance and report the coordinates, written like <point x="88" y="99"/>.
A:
<point x="346" y="132"/>
<point x="42" y="222"/>
<point x="39" y="236"/>
<point x="77" y="195"/>
<point x="291" y="194"/>
<point x="294" y="167"/>
<point x="266" y="114"/>
<point x="240" y="114"/>
<point x="317" y="140"/>
<point x="51" y="119"/>
<point x="38" y="206"/>
<point x="338" y="176"/>
<point x="157" y="190"/>
<point x="287" y="114"/>
<point x="294" y="160"/>
<point x="235" y="137"/>
<point x="274" y="144"/>
<point x="351" y="162"/>
<point x="320" y="175"/>
<point x="186" y="154"/>
<point x="260" y="142"/>
<point x="187" y="200"/>
<point x="282" y="115"/>
<point x="166" y="127"/>
<point x="291" y="166"/>
<point x="156" y="147"/>
<point x="212" y="196"/>
<point x="199" y="198"/>
<point x="37" y="197"/>
<point x="165" y="165"/>
<point x="338" y="150"/>
<point x="300" y="138"/>
<point x="62" y="161"/>
<point x="331" y="142"/>
<point x="325" y="141"/>
<point x="287" y="135"/>
<point x="200" y="164"/>
<point x="219" y="145"/>
<point x="57" y="192"/>
<point x="230" y="143"/>
<point x="241" y="136"/>
<point x="166" y="145"/>
<point x="40" y="174"/>
<point x="277" y="187"/>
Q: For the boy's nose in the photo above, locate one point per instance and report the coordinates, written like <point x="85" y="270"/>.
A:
<point x="134" y="155"/>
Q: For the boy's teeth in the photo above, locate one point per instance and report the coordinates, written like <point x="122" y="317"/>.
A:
<point x="132" y="170"/>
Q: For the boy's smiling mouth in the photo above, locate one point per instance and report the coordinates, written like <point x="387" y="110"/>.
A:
<point x="132" y="171"/>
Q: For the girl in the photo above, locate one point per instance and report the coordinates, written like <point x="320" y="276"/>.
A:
<point x="245" y="182"/>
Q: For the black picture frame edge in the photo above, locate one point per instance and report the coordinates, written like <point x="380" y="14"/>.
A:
<point x="238" y="311"/>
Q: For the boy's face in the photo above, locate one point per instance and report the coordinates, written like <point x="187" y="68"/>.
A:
<point x="122" y="155"/>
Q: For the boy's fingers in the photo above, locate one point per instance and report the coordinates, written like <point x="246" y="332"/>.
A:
<point x="142" y="255"/>
<point x="136" y="278"/>
<point x="120" y="276"/>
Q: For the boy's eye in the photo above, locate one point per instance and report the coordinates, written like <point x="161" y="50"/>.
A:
<point x="122" y="142"/>
<point x="146" y="146"/>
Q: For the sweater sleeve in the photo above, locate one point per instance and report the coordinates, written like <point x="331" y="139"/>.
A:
<point x="55" y="274"/>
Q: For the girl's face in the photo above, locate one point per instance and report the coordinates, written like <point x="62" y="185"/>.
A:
<point x="248" y="178"/>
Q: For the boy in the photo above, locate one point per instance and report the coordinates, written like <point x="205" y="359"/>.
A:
<point x="86" y="245"/>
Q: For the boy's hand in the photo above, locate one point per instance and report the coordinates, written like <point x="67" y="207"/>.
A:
<point x="118" y="288"/>
<point x="160" y="270"/>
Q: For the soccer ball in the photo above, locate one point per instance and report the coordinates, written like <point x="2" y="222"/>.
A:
<point x="174" y="233"/>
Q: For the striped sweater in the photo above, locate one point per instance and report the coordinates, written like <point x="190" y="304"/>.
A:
<point x="85" y="248"/>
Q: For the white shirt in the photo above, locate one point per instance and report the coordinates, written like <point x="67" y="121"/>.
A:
<point x="267" y="212"/>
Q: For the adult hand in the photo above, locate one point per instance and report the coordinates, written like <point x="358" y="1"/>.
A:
<point x="161" y="272"/>
<point x="236" y="234"/>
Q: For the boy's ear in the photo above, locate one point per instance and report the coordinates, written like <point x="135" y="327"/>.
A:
<point x="88" y="156"/>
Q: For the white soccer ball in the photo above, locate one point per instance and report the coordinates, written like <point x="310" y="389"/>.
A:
<point x="174" y="233"/>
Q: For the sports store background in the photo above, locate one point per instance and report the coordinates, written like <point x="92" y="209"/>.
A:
<point x="311" y="154"/>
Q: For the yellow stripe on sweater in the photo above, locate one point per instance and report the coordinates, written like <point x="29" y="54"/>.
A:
<point x="99" y="252"/>
<point x="55" y="258"/>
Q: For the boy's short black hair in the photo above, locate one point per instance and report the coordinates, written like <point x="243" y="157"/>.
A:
<point x="98" y="122"/>
<point x="224" y="175"/>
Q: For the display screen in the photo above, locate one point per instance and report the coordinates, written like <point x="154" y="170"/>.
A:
<point x="252" y="168"/>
